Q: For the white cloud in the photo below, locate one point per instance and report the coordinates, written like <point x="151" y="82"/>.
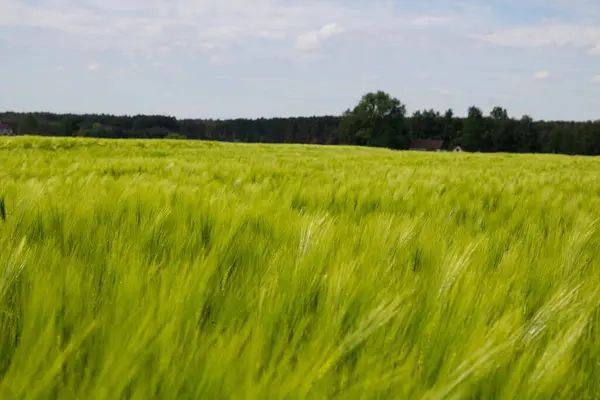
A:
<point x="220" y="32"/>
<point x="124" y="71"/>
<point x="444" y="91"/>
<point x="308" y="41"/>
<point x="267" y="34"/>
<point x="431" y="20"/>
<point x="596" y="79"/>
<point x="330" y="30"/>
<point x="154" y="26"/>
<point x="541" y="75"/>
<point x="469" y="53"/>
<point x="208" y="45"/>
<point x="145" y="26"/>
<point x="93" y="67"/>
<point x="313" y="40"/>
<point x="544" y="35"/>
<point x="217" y="60"/>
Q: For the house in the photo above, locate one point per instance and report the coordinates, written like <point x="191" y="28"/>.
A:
<point x="5" y="130"/>
<point x="458" y="149"/>
<point x="426" y="145"/>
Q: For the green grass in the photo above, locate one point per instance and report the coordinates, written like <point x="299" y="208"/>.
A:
<point x="190" y="270"/>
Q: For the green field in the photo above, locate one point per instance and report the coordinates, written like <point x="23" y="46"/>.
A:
<point x="197" y="270"/>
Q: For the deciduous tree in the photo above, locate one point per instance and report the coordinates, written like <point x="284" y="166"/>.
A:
<point x="377" y="120"/>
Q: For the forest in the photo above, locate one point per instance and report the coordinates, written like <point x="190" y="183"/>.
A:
<point x="378" y="120"/>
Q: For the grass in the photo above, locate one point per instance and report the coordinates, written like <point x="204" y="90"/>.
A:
<point x="188" y="270"/>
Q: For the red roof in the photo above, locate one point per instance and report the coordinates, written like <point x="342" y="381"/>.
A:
<point x="426" y="144"/>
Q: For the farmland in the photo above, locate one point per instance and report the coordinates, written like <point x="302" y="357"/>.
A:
<point x="181" y="269"/>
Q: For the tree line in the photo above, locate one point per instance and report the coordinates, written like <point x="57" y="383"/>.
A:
<point x="378" y="120"/>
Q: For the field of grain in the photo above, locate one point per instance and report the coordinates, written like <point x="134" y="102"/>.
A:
<point x="195" y="270"/>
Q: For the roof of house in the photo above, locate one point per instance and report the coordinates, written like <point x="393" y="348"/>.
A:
<point x="426" y="144"/>
<point x="5" y="126"/>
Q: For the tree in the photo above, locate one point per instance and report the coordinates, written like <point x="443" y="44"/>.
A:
<point x="502" y="132"/>
<point x="347" y="126"/>
<point x="474" y="130"/>
<point x="526" y="136"/>
<point x="450" y="129"/>
<point x="377" y="120"/>
<point x="28" y="125"/>
<point x="67" y="126"/>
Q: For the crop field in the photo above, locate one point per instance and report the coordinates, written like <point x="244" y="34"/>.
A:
<point x="198" y="270"/>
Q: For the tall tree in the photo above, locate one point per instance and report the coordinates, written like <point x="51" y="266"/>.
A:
<point x="526" y="136"/>
<point x="474" y="130"/>
<point x="450" y="128"/>
<point x="377" y="120"/>
<point x="28" y="125"/>
<point x="67" y="126"/>
<point x="502" y="132"/>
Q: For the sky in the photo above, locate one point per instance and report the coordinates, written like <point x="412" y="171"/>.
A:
<point x="268" y="58"/>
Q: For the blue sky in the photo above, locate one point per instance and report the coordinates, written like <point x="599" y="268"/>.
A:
<point x="235" y="58"/>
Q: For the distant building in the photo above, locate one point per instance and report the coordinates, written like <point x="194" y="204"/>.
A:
<point x="426" y="145"/>
<point x="5" y="130"/>
<point x="458" y="149"/>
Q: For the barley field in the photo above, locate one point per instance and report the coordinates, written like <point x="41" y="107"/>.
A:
<point x="198" y="270"/>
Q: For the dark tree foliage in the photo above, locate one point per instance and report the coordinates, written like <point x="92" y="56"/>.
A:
<point x="377" y="120"/>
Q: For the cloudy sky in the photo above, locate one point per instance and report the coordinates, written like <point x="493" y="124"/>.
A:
<point x="242" y="58"/>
